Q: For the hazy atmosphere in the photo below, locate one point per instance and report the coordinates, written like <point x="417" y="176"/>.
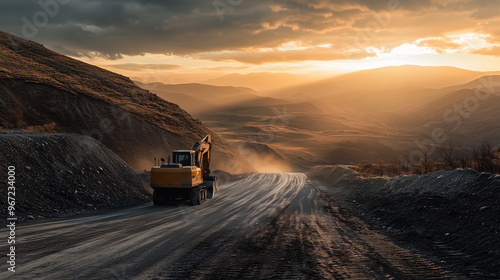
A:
<point x="194" y="41"/>
<point x="249" y="139"/>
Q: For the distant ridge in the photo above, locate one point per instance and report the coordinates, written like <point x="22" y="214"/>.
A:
<point x="261" y="81"/>
<point x="391" y="77"/>
<point x="196" y="98"/>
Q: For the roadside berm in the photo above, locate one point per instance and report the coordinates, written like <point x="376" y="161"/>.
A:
<point x="65" y="174"/>
<point x="451" y="216"/>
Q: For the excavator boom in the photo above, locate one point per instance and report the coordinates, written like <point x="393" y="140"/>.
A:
<point x="202" y="155"/>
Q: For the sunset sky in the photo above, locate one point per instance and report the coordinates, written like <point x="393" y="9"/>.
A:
<point x="186" y="41"/>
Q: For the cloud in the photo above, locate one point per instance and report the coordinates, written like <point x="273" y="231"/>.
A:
<point x="485" y="9"/>
<point x="410" y="49"/>
<point x="438" y="44"/>
<point x="283" y="54"/>
<point x="114" y="28"/>
<point x="494" y="51"/>
<point x="139" y="66"/>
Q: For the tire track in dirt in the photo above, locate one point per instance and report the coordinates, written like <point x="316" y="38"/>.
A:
<point x="263" y="226"/>
<point x="314" y="238"/>
<point x="140" y="242"/>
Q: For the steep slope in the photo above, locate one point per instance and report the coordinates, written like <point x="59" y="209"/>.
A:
<point x="45" y="91"/>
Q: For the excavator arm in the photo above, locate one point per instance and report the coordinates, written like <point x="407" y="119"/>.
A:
<point x="203" y="152"/>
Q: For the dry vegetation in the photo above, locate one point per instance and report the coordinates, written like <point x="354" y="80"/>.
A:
<point x="15" y="120"/>
<point x="484" y="158"/>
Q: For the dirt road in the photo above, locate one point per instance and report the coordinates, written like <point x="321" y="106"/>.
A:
<point x="276" y="226"/>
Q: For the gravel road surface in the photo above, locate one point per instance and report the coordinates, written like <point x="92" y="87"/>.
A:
<point x="278" y="226"/>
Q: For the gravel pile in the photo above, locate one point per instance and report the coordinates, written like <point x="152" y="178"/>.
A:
<point x="452" y="216"/>
<point x="64" y="174"/>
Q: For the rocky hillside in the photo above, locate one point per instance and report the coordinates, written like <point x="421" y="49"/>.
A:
<point x="43" y="91"/>
<point x="63" y="174"/>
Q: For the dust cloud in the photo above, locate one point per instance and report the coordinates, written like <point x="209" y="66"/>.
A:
<point x="270" y="164"/>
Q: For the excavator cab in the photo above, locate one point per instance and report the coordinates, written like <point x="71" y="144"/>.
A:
<point x="186" y="158"/>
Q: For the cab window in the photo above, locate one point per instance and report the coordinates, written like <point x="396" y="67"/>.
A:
<point x="183" y="158"/>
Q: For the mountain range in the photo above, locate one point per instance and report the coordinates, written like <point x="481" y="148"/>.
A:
<point x="366" y="116"/>
<point x="379" y="114"/>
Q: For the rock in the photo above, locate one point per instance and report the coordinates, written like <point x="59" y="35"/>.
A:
<point x="483" y="208"/>
<point x="484" y="175"/>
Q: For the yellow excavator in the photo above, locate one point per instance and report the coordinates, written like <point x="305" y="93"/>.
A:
<point x="186" y="177"/>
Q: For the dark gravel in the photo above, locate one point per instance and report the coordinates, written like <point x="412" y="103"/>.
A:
<point x="65" y="174"/>
<point x="451" y="216"/>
